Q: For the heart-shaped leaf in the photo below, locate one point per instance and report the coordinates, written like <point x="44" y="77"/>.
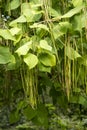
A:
<point x="47" y="59"/>
<point x="44" y="45"/>
<point x="31" y="60"/>
<point x="23" y="50"/>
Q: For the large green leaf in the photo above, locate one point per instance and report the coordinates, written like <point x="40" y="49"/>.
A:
<point x="53" y="12"/>
<point x="31" y="60"/>
<point x="61" y="29"/>
<point x="42" y="26"/>
<point x="15" y="30"/>
<point x="6" y="34"/>
<point x="73" y="12"/>
<point x="20" y="19"/>
<point x="42" y="116"/>
<point x="77" y="2"/>
<point x="31" y="14"/>
<point x="23" y="50"/>
<point x="78" y="24"/>
<point x="64" y="27"/>
<point x="44" y="68"/>
<point x="44" y="45"/>
<point x="47" y="59"/>
<point x="14" y="117"/>
<point x="83" y="60"/>
<point x="29" y="112"/>
<point x="71" y="53"/>
<point x="14" y="4"/>
<point x="5" y="55"/>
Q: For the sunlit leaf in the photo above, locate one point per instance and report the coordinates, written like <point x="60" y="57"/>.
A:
<point x="18" y="38"/>
<point x="31" y="60"/>
<point x="73" y="12"/>
<point x="15" y="30"/>
<point x="30" y="13"/>
<point x="53" y="12"/>
<point x="77" y="2"/>
<point x="64" y="27"/>
<point x="14" y="4"/>
<point x="42" y="26"/>
<point x="61" y="29"/>
<point x="44" y="45"/>
<point x="6" y="34"/>
<point x="23" y="50"/>
<point x="20" y="19"/>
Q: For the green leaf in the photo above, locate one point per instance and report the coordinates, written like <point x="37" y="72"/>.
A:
<point x="77" y="2"/>
<point x="31" y="13"/>
<point x="56" y="32"/>
<point x="25" y="126"/>
<point x="14" y="64"/>
<point x="78" y="24"/>
<point x="42" y="26"/>
<point x="73" y="12"/>
<point x="5" y="55"/>
<point x="14" y="117"/>
<point x="47" y="59"/>
<point x="29" y="112"/>
<point x="42" y="116"/>
<point x="83" y="60"/>
<point x="23" y="50"/>
<point x="6" y="34"/>
<point x="14" y="4"/>
<point x="44" y="45"/>
<point x="74" y="99"/>
<point x="53" y="12"/>
<point x="44" y="68"/>
<point x="18" y="38"/>
<point x="81" y="100"/>
<point x="15" y="30"/>
<point x="20" y="19"/>
<point x="61" y="29"/>
<point x="71" y="53"/>
<point x="64" y="26"/>
<point x="31" y="60"/>
<point x="41" y="33"/>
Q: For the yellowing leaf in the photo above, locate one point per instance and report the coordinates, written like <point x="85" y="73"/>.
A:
<point x="6" y="34"/>
<point x="23" y="50"/>
<point x="15" y="30"/>
<point x="31" y="60"/>
<point x="44" y="45"/>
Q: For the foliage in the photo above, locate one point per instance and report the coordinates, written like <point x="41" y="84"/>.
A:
<point x="43" y="61"/>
